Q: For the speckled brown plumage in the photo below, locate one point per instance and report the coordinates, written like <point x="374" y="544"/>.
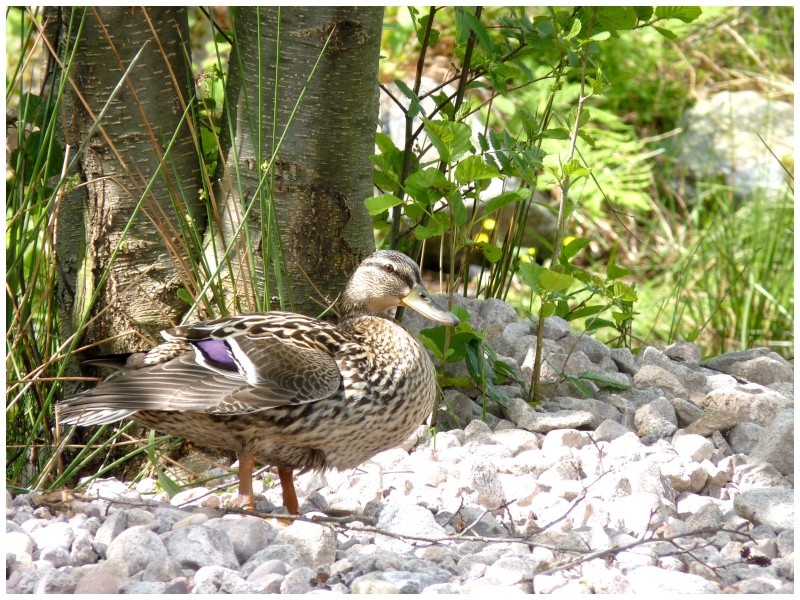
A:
<point x="285" y="389"/>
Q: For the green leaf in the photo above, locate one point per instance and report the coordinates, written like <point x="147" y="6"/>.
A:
<point x="544" y="27"/>
<point x="473" y="168"/>
<point x="586" y="311"/>
<point x="573" y="247"/>
<point x="600" y="36"/>
<point x="555" y="133"/>
<point x="643" y="12"/>
<point x="469" y="22"/>
<point x="542" y="279"/>
<point x="427" y="185"/>
<point x="574" y="30"/>
<point x="451" y="139"/>
<point x="184" y="295"/>
<point x="574" y="168"/>
<point x="597" y="324"/>
<point x="385" y="143"/>
<point x="414" y="108"/>
<point x="586" y="138"/>
<point x="457" y="208"/>
<point x="613" y="271"/>
<point x="687" y="14"/>
<point x="603" y="380"/>
<point x="499" y="201"/>
<point x="614" y="18"/>
<point x="476" y="364"/>
<point x="665" y="32"/>
<point x="622" y="292"/>
<point x="435" y="227"/>
<point x="378" y="204"/>
<point x="491" y="252"/>
<point x="169" y="486"/>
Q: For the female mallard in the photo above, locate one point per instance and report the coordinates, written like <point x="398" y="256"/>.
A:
<point x="285" y="389"/>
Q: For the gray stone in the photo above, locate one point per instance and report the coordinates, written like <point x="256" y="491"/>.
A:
<point x="682" y="351"/>
<point x="510" y="570"/>
<point x="726" y="362"/>
<point x="600" y="410"/>
<point x="443" y="588"/>
<point x="19" y="545"/>
<point x="298" y="581"/>
<point x="134" y="549"/>
<point x="54" y="534"/>
<point x="656" y="419"/>
<point x="596" y="351"/>
<point x="400" y="516"/>
<point x="773" y="507"/>
<point x="483" y="485"/>
<point x="653" y="376"/>
<point x="48" y="580"/>
<point x="200" y="546"/>
<point x="248" y="534"/>
<point x="115" y="524"/>
<point x="625" y="361"/>
<point x="97" y="582"/>
<point x="573" y="363"/>
<point x="315" y="542"/>
<point x="165" y="571"/>
<point x="737" y="135"/>
<point x="556" y="328"/>
<point x="285" y="553"/>
<point x="712" y="421"/>
<point x="645" y="579"/>
<point x="751" y="474"/>
<point x="744" y="437"/>
<point x="765" y="370"/>
<point x="493" y="310"/>
<point x="516" y="440"/>
<point x="777" y="444"/>
<point x="684" y="475"/>
<point x="708" y="517"/>
<point x="693" y="447"/>
<point x="785" y="543"/>
<point x="522" y="415"/>
<point x="455" y="410"/>
<point x="609" y="430"/>
<point x="143" y="587"/>
<point x="750" y="402"/>
<point x="268" y="567"/>
<point x="57" y="556"/>
<point x="214" y="579"/>
<point x="688" y="412"/>
<point x="167" y="516"/>
<point x="557" y="442"/>
<point x="507" y="341"/>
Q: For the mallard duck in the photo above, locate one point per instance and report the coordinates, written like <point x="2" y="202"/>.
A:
<point x="285" y="389"/>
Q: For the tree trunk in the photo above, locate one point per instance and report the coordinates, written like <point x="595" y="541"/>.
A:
<point x="321" y="172"/>
<point x="138" y="297"/>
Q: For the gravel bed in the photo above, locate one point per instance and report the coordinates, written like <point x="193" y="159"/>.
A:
<point x="677" y="480"/>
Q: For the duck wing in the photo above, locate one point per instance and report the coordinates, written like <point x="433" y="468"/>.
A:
<point x="239" y="365"/>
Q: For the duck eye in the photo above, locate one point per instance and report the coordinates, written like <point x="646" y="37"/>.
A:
<point x="388" y="268"/>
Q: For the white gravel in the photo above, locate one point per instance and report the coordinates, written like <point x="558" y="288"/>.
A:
<point x="682" y="483"/>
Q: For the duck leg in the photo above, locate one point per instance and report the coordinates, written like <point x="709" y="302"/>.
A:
<point x="287" y="487"/>
<point x="247" y="462"/>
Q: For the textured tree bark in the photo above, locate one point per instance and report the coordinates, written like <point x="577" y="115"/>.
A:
<point x="139" y="296"/>
<point x="322" y="172"/>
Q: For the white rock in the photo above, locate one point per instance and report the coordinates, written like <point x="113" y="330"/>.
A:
<point x="693" y="447"/>
<point x="647" y="579"/>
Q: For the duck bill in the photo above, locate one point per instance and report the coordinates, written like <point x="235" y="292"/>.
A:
<point x="420" y="300"/>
